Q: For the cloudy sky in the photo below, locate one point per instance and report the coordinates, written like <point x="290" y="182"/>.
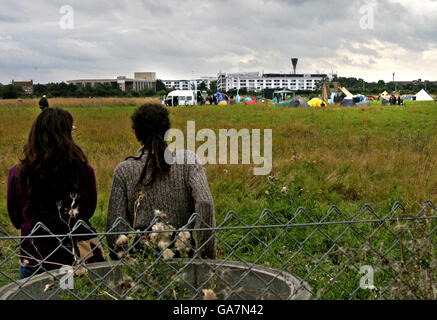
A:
<point x="46" y="41"/>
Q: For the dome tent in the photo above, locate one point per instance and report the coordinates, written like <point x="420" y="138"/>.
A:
<point x="422" y="95"/>
<point x="316" y="103"/>
<point x="298" y="103"/>
<point x="347" y="102"/>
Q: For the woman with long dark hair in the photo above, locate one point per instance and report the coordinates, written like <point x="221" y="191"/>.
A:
<point x="53" y="185"/>
<point x="146" y="183"/>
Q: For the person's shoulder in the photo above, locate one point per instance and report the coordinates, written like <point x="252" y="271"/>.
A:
<point x="13" y="171"/>
<point x="185" y="157"/>
<point x="90" y="169"/>
<point x="124" y="166"/>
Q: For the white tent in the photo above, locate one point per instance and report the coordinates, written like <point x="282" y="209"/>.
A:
<point x="423" y="96"/>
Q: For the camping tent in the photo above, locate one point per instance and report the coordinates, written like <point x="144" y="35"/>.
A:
<point x="316" y="103"/>
<point x="298" y="103"/>
<point x="422" y="95"/>
<point x="346" y="92"/>
<point x="347" y="102"/>
<point x="285" y="94"/>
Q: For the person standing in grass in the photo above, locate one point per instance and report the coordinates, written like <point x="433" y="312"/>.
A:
<point x="54" y="185"/>
<point x="43" y="103"/>
<point x="176" y="188"/>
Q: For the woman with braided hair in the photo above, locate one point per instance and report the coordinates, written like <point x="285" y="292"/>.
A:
<point x="146" y="183"/>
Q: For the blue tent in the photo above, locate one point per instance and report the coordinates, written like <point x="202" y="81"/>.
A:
<point x="219" y="97"/>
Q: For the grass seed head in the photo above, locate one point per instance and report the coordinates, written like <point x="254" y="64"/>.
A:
<point x="209" y="294"/>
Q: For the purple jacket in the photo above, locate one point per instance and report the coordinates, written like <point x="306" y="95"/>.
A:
<point x="25" y="216"/>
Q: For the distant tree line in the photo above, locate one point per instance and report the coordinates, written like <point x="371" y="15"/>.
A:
<point x="355" y="85"/>
<point x="10" y="91"/>
<point x="62" y="89"/>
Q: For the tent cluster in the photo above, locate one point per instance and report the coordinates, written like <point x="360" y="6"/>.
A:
<point x="298" y="102"/>
<point x="387" y="99"/>
<point x="283" y="99"/>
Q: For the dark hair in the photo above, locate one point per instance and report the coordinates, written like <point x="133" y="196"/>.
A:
<point x="150" y="122"/>
<point x="53" y="163"/>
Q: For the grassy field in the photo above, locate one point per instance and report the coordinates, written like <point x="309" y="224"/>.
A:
<point x="343" y="156"/>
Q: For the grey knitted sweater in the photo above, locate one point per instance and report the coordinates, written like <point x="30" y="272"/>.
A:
<point x="179" y="194"/>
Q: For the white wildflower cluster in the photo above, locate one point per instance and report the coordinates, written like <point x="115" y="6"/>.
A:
<point x="209" y="294"/>
<point x="161" y="240"/>
<point x="271" y="179"/>
<point x="122" y="241"/>
<point x="73" y="212"/>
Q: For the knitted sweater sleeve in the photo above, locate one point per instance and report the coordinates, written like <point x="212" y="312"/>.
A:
<point x="204" y="207"/>
<point x="117" y="208"/>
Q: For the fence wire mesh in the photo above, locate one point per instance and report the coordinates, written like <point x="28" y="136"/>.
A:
<point x="366" y="256"/>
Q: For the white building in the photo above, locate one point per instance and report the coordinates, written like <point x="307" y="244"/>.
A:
<point x="189" y="84"/>
<point x="256" y="81"/>
<point x="141" y="81"/>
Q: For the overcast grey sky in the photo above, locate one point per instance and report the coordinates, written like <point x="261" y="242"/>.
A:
<point x="192" y="38"/>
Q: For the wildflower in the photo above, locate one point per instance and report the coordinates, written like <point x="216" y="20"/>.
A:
<point x="209" y="294"/>
<point x="158" y="227"/>
<point x="154" y="238"/>
<point x="184" y="235"/>
<point x="48" y="287"/>
<point x="161" y="214"/>
<point x="73" y="197"/>
<point x="163" y="245"/>
<point x="284" y="190"/>
<point x="372" y="288"/>
<point x="122" y="241"/>
<point x="80" y="272"/>
<point x="272" y="179"/>
<point x="167" y="254"/>
<point x="73" y="212"/>
<point x="182" y="246"/>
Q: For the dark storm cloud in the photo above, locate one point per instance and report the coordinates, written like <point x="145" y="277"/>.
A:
<point x="197" y="37"/>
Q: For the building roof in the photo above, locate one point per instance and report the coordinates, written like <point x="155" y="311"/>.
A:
<point x="23" y="83"/>
<point x="288" y="75"/>
<point x="109" y="80"/>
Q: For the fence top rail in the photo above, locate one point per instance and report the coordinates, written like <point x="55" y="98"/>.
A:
<point x="212" y="229"/>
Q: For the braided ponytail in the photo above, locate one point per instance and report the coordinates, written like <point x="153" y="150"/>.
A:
<point x="150" y="122"/>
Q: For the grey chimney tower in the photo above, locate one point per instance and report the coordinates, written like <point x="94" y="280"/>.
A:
<point x="294" y="62"/>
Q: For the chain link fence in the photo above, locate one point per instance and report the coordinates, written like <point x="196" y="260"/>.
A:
<point x="366" y="256"/>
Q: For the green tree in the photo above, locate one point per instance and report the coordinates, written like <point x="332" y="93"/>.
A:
<point x="202" y="86"/>
<point x="213" y="87"/>
<point x="11" y="92"/>
<point x="160" y="86"/>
